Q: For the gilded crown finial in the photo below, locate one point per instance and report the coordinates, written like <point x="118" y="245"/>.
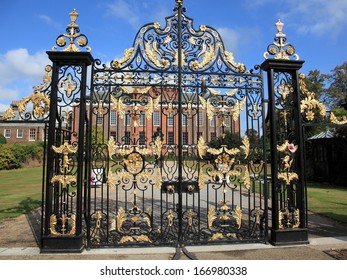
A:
<point x="72" y="38"/>
<point x="280" y="49"/>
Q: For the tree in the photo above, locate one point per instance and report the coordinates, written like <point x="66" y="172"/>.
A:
<point x="252" y="135"/>
<point x="338" y="86"/>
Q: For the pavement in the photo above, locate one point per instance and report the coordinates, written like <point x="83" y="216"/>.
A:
<point x="327" y="241"/>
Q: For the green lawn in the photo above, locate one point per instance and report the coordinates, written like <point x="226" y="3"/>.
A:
<point x="328" y="200"/>
<point x="20" y="191"/>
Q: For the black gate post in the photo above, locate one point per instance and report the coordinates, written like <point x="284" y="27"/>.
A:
<point x="289" y="225"/>
<point x="65" y="178"/>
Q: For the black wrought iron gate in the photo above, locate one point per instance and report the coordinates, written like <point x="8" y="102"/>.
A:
<point x="177" y="153"/>
<point x="168" y="144"/>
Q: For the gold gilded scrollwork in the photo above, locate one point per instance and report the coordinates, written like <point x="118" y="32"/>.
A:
<point x="8" y="114"/>
<point x="245" y="147"/>
<point x="65" y="149"/>
<point x="151" y="51"/>
<point x="286" y="175"/>
<point x="207" y="54"/>
<point x="229" y="57"/>
<point x="288" y="219"/>
<point x="118" y="106"/>
<point x="118" y="63"/>
<point x="334" y="119"/>
<point x="309" y="102"/>
<point x="64" y="180"/>
<point x="238" y="216"/>
<point x="284" y="89"/>
<point x="53" y="223"/>
<point x="206" y="104"/>
<point x="73" y="34"/>
<point x="211" y="217"/>
<point x="120" y="218"/>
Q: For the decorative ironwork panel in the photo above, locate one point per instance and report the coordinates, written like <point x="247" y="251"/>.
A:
<point x="177" y="142"/>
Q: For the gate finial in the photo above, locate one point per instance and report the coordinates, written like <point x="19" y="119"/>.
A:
<point x="179" y="3"/>
<point x="72" y="34"/>
<point x="280" y="49"/>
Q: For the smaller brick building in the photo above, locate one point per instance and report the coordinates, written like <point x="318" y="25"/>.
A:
<point x="15" y="130"/>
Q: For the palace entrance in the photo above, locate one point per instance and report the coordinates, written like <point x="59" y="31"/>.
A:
<point x="173" y="144"/>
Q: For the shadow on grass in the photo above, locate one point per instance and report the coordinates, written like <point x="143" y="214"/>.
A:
<point x="23" y="207"/>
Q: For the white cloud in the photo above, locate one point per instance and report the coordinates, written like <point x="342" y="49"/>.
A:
<point x="137" y="13"/>
<point x="49" y="21"/>
<point x="19" y="64"/>
<point x="124" y="10"/>
<point x="19" y="72"/>
<point x="230" y="38"/>
<point x="316" y="17"/>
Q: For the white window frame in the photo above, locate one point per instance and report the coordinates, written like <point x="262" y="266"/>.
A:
<point x="20" y="135"/>
<point x="113" y="118"/>
<point x="30" y="134"/>
<point x="200" y="122"/>
<point x="156" y="118"/>
<point x="7" y="133"/>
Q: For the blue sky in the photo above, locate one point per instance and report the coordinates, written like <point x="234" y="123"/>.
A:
<point x="316" y="28"/>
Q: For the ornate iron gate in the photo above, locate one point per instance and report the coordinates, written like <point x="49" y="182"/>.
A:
<point x="168" y="145"/>
<point x="177" y="153"/>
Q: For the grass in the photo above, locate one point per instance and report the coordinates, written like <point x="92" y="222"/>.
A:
<point x="20" y="191"/>
<point x="328" y="200"/>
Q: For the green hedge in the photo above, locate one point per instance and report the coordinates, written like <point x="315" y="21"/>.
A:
<point x="14" y="156"/>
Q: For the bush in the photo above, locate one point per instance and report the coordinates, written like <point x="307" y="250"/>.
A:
<point x="8" y="160"/>
<point x="16" y="155"/>
<point x="2" y="139"/>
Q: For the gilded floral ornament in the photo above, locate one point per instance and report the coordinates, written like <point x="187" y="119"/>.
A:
<point x="335" y="120"/>
<point x="229" y="57"/>
<point x="207" y="54"/>
<point x="72" y="40"/>
<point x="309" y="102"/>
<point x="118" y="63"/>
<point x="152" y="53"/>
<point x="280" y="49"/>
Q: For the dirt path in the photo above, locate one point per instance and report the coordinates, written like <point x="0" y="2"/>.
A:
<point x="22" y="231"/>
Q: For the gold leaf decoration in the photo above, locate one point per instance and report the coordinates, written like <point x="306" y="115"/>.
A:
<point x="207" y="57"/>
<point x="126" y="239"/>
<point x="334" y="119"/>
<point x="213" y="91"/>
<point x="64" y="180"/>
<point x="118" y="63"/>
<point x="111" y="146"/>
<point x="8" y="114"/>
<point x="229" y="57"/>
<point x="121" y="218"/>
<point x="216" y="236"/>
<point x="245" y="147"/>
<point x="211" y="216"/>
<point x="118" y="106"/>
<point x="247" y="179"/>
<point x="207" y="106"/>
<point x="288" y="177"/>
<point x="239" y="106"/>
<point x="238" y="216"/>
<point x="143" y="238"/>
<point x="152" y="52"/>
<point x="52" y="224"/>
<point x="158" y="179"/>
<point x="202" y="147"/>
<point x="309" y="103"/>
<point x="201" y="181"/>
